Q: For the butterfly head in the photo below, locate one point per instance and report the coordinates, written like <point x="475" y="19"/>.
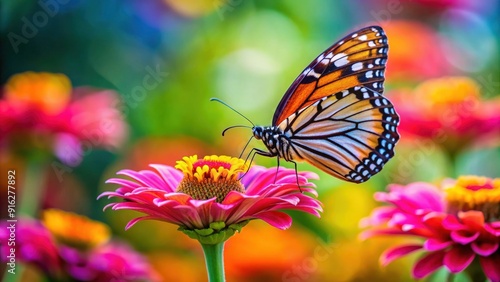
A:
<point x="258" y="132"/>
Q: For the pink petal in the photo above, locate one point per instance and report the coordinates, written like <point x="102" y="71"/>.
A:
<point x="393" y="253"/>
<point x="170" y="175"/>
<point x="464" y="237"/>
<point x="493" y="228"/>
<point x="428" y="264"/>
<point x="451" y="223"/>
<point x="436" y="244"/>
<point x="484" y="248"/>
<point x="378" y="216"/>
<point x="491" y="267"/>
<point x="277" y="219"/>
<point x="458" y="258"/>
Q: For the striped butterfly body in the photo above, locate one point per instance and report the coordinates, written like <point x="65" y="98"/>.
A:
<point x="334" y="116"/>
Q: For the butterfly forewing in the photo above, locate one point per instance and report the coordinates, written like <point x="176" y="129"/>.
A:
<point x="356" y="60"/>
<point x="350" y="134"/>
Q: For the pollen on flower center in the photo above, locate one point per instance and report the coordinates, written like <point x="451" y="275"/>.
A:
<point x="212" y="176"/>
<point x="475" y="193"/>
<point x="75" y="230"/>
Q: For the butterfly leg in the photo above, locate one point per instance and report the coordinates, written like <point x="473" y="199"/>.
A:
<point x="296" y="174"/>
<point x="252" y="153"/>
<point x="277" y="168"/>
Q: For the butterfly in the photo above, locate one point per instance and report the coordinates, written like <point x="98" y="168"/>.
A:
<point x="334" y="116"/>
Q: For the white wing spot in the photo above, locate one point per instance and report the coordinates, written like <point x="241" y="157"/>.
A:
<point x="357" y="66"/>
<point x="345" y="93"/>
<point x="371" y="44"/>
<point x="369" y="74"/>
<point x="340" y="59"/>
<point x="341" y="42"/>
<point x="375" y="85"/>
<point x="329" y="55"/>
<point x="370" y="66"/>
<point x="320" y="57"/>
<point x="354" y="35"/>
<point x="377" y="61"/>
<point x="363" y="37"/>
<point x="314" y="74"/>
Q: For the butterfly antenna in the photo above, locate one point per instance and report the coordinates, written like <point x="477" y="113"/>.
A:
<point x="223" y="103"/>
<point x="234" y="126"/>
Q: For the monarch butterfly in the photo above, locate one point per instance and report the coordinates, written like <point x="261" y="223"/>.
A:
<point x="334" y="116"/>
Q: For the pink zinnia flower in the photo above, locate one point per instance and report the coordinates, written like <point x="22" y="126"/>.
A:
<point x="114" y="261"/>
<point x="41" y="110"/>
<point x="208" y="201"/>
<point x="450" y="111"/>
<point x="70" y="246"/>
<point x="32" y="243"/>
<point x="459" y="221"/>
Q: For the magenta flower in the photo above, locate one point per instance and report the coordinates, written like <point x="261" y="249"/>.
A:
<point x="110" y="262"/>
<point x="459" y="222"/>
<point x="207" y="191"/>
<point x="70" y="247"/>
<point x="33" y="244"/>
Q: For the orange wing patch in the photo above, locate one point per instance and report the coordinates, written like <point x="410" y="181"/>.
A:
<point x="356" y="60"/>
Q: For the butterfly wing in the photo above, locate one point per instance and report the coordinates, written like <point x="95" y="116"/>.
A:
<point x="356" y="60"/>
<point x="349" y="135"/>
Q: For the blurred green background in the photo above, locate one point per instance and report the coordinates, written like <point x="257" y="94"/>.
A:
<point x="247" y="53"/>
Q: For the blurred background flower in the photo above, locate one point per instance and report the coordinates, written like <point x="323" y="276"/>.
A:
<point x="41" y="111"/>
<point x="458" y="221"/>
<point x="150" y="67"/>
<point x="70" y="247"/>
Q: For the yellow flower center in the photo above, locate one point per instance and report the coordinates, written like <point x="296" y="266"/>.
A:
<point x="475" y="193"/>
<point x="75" y="230"/>
<point x="458" y="92"/>
<point x="48" y="92"/>
<point x="212" y="176"/>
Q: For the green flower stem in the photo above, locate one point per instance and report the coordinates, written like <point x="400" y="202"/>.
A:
<point x="9" y="277"/>
<point x="32" y="193"/>
<point x="214" y="260"/>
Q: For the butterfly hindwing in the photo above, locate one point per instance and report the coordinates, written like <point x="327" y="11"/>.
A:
<point x="350" y="134"/>
<point x="356" y="60"/>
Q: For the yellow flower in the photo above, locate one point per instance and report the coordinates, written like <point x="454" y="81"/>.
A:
<point x="48" y="92"/>
<point x="75" y="230"/>
<point x="474" y="193"/>
<point x="212" y="176"/>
